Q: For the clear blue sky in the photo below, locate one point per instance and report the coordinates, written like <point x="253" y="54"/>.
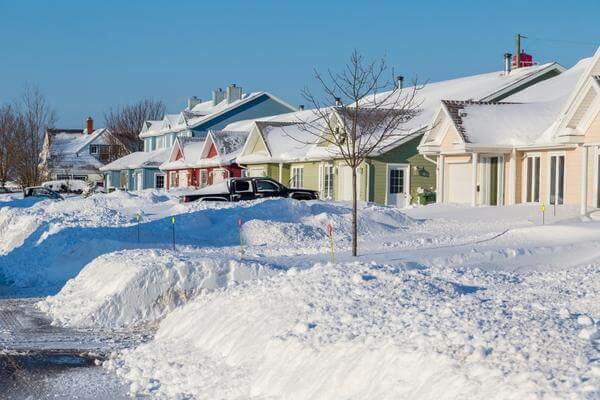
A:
<point x="87" y="56"/>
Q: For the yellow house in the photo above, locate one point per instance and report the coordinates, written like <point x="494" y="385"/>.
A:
<point x="539" y="145"/>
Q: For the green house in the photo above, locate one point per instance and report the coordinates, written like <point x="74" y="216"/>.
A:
<point x="283" y="149"/>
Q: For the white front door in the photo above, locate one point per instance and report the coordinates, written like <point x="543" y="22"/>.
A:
<point x="139" y="180"/>
<point x="183" y="179"/>
<point x="397" y="185"/>
<point x="345" y="178"/>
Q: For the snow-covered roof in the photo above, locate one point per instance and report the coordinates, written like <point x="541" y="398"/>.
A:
<point x="69" y="149"/>
<point x="525" y="118"/>
<point x="191" y="149"/>
<point x="139" y="159"/>
<point x="204" y="112"/>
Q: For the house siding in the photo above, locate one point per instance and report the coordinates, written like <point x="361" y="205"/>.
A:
<point x="422" y="172"/>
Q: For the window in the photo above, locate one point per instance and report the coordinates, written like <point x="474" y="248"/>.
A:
<point x="242" y="186"/>
<point x="396" y="181"/>
<point x="533" y="179"/>
<point x="94" y="149"/>
<point x="557" y="179"/>
<point x="297" y="177"/>
<point x="203" y="178"/>
<point x="256" y="172"/>
<point x="173" y="179"/>
<point x="263" y="185"/>
<point x="327" y="187"/>
<point x="159" y="181"/>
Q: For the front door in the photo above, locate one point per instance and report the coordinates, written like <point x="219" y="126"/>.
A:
<point x="345" y="177"/>
<point x="139" y="180"/>
<point x="397" y="186"/>
<point x="493" y="180"/>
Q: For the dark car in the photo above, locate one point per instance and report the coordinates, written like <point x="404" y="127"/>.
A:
<point x="237" y="189"/>
<point x="4" y="190"/>
<point x="41" y="191"/>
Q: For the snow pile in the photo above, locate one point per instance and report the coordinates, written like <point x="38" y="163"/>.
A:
<point x="137" y="287"/>
<point x="373" y="331"/>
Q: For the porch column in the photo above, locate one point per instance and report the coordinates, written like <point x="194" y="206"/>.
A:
<point x="584" y="181"/>
<point x="474" y="158"/>
<point x="439" y="198"/>
<point x="280" y="172"/>
<point x="513" y="177"/>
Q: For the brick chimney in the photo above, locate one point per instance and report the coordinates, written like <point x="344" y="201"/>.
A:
<point x="90" y="125"/>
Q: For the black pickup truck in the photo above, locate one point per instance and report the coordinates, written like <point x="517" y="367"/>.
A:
<point x="237" y="189"/>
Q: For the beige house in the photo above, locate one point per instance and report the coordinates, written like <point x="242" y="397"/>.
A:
<point x="539" y="145"/>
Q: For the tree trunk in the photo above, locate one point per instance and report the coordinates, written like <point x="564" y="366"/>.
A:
<point x="354" y="215"/>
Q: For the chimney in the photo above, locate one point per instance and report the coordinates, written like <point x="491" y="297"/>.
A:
<point x="218" y="96"/>
<point x="301" y="107"/>
<point x="399" y="81"/>
<point x="193" y="102"/>
<point x="233" y="93"/>
<point x="90" y="125"/>
<point x="338" y="102"/>
<point x="507" y="63"/>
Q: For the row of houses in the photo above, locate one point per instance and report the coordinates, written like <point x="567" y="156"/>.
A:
<point x="527" y="133"/>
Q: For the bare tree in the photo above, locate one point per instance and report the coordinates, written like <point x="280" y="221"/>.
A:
<point x="36" y="116"/>
<point x="371" y="107"/>
<point x="125" y="123"/>
<point x="10" y="123"/>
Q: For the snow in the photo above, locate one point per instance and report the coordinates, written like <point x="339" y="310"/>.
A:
<point x="524" y="123"/>
<point x="70" y="185"/>
<point x="444" y="301"/>
<point x="71" y="150"/>
<point x="139" y="159"/>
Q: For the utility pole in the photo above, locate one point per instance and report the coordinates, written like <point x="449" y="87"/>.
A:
<point x="518" y="38"/>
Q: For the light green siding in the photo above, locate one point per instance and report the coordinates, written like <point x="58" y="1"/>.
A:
<point x="423" y="176"/>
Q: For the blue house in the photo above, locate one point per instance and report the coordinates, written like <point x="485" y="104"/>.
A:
<point x="139" y="170"/>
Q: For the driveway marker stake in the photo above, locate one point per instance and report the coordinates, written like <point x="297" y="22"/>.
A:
<point x="330" y="234"/>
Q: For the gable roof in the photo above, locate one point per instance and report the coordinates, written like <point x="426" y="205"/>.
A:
<point x="525" y="118"/>
<point x="205" y="112"/>
<point x="69" y="149"/>
<point x="190" y="148"/>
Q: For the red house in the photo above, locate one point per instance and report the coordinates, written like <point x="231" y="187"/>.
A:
<point x="198" y="163"/>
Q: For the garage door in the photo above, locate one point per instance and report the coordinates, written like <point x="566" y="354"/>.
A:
<point x="458" y="184"/>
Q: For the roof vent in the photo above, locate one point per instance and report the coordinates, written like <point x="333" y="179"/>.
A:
<point x="338" y="102"/>
<point x="399" y="81"/>
<point x="301" y="107"/>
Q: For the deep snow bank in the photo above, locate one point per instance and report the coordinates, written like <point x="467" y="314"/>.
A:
<point x="49" y="242"/>
<point x="134" y="287"/>
<point x="378" y="332"/>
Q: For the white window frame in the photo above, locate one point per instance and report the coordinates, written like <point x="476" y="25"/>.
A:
<point x="262" y="170"/>
<point x="173" y="179"/>
<point x="524" y="177"/>
<point x="549" y="180"/>
<point x="203" y="178"/>
<point x="297" y="183"/>
<point x="331" y="189"/>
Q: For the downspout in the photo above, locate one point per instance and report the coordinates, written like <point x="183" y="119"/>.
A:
<point x="425" y="156"/>
<point x="584" y="181"/>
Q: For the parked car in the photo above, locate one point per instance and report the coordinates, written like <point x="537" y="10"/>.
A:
<point x="40" y="191"/>
<point x="75" y="186"/>
<point x="4" y="190"/>
<point x="237" y="189"/>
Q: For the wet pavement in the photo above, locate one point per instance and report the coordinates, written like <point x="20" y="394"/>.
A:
<point x="42" y="361"/>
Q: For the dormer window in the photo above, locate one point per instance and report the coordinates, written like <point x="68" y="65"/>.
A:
<point x="94" y="149"/>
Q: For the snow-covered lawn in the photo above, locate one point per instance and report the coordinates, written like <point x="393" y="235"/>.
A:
<point x="444" y="302"/>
